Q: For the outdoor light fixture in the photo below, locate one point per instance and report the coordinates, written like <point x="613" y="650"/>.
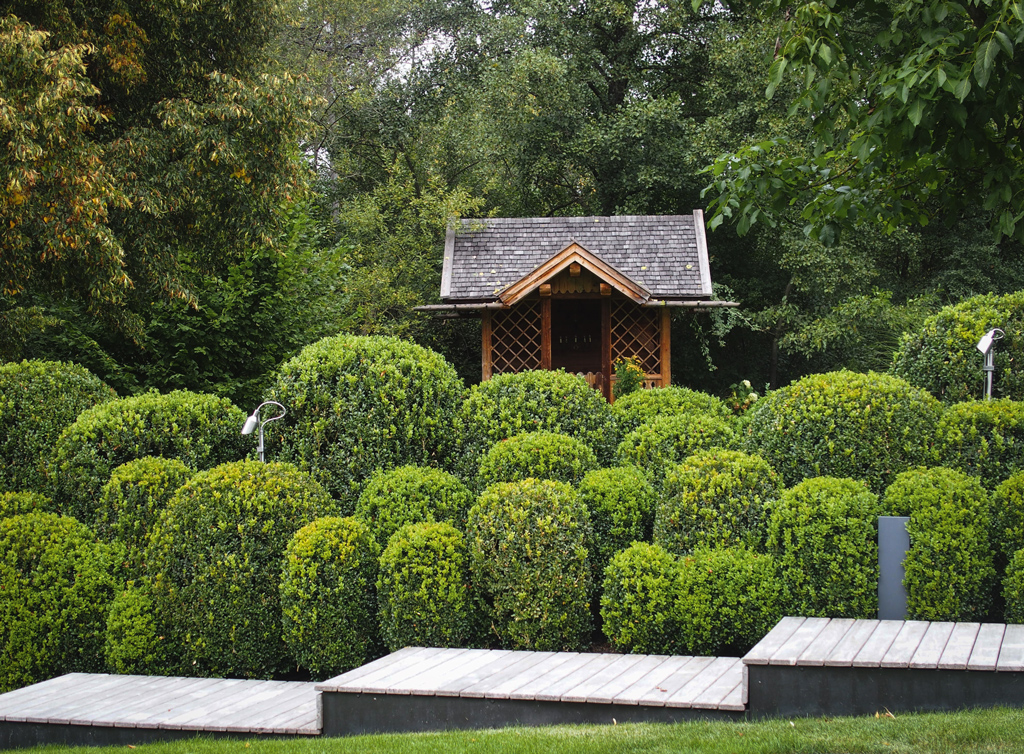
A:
<point x="987" y="346"/>
<point x="256" y="422"/>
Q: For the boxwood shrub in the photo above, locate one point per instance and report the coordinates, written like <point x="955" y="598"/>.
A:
<point x="529" y="561"/>
<point x="424" y="591"/>
<point x="642" y="406"/>
<point x="38" y="400"/>
<point x="1007" y="517"/>
<point x="948" y="573"/>
<point x="357" y="404"/>
<point x="822" y="534"/>
<point x="56" y="586"/>
<point x="715" y="498"/>
<point x="666" y="440"/>
<point x="541" y="455"/>
<point x="844" y="424"/>
<point x="1013" y="588"/>
<point x="410" y="494"/>
<point x="638" y="600"/>
<point x="16" y="503"/>
<point x="621" y="505"/>
<point x="329" y="597"/>
<point x="215" y="563"/>
<point x="942" y="359"/>
<point x="138" y="642"/>
<point x="199" y="430"/>
<point x="983" y="438"/>
<point x="729" y="598"/>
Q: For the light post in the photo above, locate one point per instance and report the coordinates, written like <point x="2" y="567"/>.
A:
<point x="987" y="346"/>
<point x="256" y="421"/>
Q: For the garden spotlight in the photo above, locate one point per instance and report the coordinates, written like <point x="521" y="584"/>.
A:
<point x="256" y="422"/>
<point x="987" y="346"/>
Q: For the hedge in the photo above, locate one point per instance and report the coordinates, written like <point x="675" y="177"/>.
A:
<point x="38" y="400"/>
<point x="844" y="424"/>
<point x="17" y="503"/>
<point x="1013" y="589"/>
<point x="541" y="455"/>
<point x="667" y="440"/>
<point x="983" y="438"/>
<point x="621" y="505"/>
<point x="638" y="601"/>
<point x="642" y="406"/>
<point x="1007" y="517"/>
<point x="138" y="642"/>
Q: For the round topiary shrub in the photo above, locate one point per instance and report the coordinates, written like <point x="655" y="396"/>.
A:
<point x="56" y="586"/>
<point x="132" y="500"/>
<point x="822" y="534"/>
<point x="541" y="455"/>
<point x="408" y="495"/>
<point x="137" y="640"/>
<point x="728" y="600"/>
<point x="357" y="404"/>
<point x="638" y="601"/>
<point x="948" y="573"/>
<point x="942" y="357"/>
<point x="843" y="424"/>
<point x="1007" y="516"/>
<point x="715" y="498"/>
<point x="328" y="595"/>
<point x="983" y="438"/>
<point x="214" y="560"/>
<point x="201" y="431"/>
<point x="38" y="400"/>
<point x="643" y="406"/>
<point x="621" y="505"/>
<point x="665" y="441"/>
<point x="529" y="560"/>
<point x="1013" y="588"/>
<point x="17" y="503"/>
<point x="511" y="404"/>
<point x="423" y="589"/>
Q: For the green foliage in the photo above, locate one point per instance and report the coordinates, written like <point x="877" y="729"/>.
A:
<point x="528" y="550"/>
<point x="56" y="586"/>
<point x="983" y="438"/>
<point x="17" y="503"/>
<point x="822" y="534"/>
<point x="716" y="498"/>
<point x="948" y="572"/>
<point x="215" y="563"/>
<point x="1013" y="588"/>
<point x="38" y="400"/>
<point x="328" y="597"/>
<point x="132" y="500"/>
<point x="360" y="403"/>
<point x="865" y="426"/>
<point x="728" y="600"/>
<point x="424" y="589"/>
<point x="621" y="505"/>
<point x="541" y="455"/>
<point x="941" y="357"/>
<point x="645" y="405"/>
<point x="199" y="430"/>
<point x="1007" y="516"/>
<point x="638" y="601"/>
<point x="629" y="376"/>
<point x="408" y="495"/>
<point x="137" y="642"/>
<point x="668" y="439"/>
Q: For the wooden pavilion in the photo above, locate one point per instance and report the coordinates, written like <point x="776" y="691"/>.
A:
<point x="576" y="293"/>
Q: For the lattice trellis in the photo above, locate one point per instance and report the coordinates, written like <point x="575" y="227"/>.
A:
<point x="515" y="338"/>
<point x="637" y="332"/>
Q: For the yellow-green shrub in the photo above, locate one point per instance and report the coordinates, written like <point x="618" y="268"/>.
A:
<point x="1013" y="588"/>
<point x="638" y="600"/>
<point x="138" y="642"/>
<point x="983" y="438"/>
<point x="621" y="505"/>
<point x="642" y="406"/>
<point x="666" y="440"/>
<point x="540" y="455"/>
<point x="16" y="503"/>
<point x="1007" y="516"/>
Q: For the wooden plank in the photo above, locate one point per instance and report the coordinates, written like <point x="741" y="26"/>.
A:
<point x="819" y="649"/>
<point x="985" y="654"/>
<point x="345" y="679"/>
<point x="607" y="693"/>
<point x="485" y="365"/>
<point x="236" y="715"/>
<point x="160" y="707"/>
<point x="851" y="644"/>
<point x="14" y="705"/>
<point x="545" y="333"/>
<point x="570" y="661"/>
<point x="527" y="666"/>
<point x="384" y="682"/>
<point x="932" y="646"/>
<point x="72" y="706"/>
<point x="606" y="346"/>
<point x="113" y="710"/>
<point x="452" y="665"/>
<point x="666" y="347"/>
<point x="586" y="689"/>
<point x="959" y="646"/>
<point x="798" y="642"/>
<point x="685" y="696"/>
<point x="905" y="645"/>
<point x="762" y="652"/>
<point x="650" y="680"/>
<point x="735" y="700"/>
<point x="874" y="649"/>
<point x="249" y="718"/>
<point x="715" y="695"/>
<point x="656" y="696"/>
<point x="1011" y="654"/>
<point x="298" y="714"/>
<point x="495" y="661"/>
<point x="557" y="689"/>
<point x="191" y="708"/>
<point x="412" y="663"/>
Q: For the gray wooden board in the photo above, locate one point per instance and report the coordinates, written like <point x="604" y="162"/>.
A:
<point x="735" y="700"/>
<point x="412" y="664"/>
<point x="633" y="693"/>
<point x="959" y="646"/>
<point x="454" y="672"/>
<point x="985" y="654"/>
<point x="245" y="712"/>
<point x="762" y="652"/>
<point x="528" y="666"/>
<point x="701" y="682"/>
<point x="161" y="700"/>
<point x="347" y="681"/>
<point x="199" y="705"/>
<point x="568" y="662"/>
<point x="714" y="696"/>
<point x="116" y="710"/>
<point x="585" y="690"/>
<point x="302" y="717"/>
<point x="83" y="707"/>
<point x="417" y="677"/>
<point x="495" y="661"/>
<point x="1011" y="654"/>
<point x="903" y="647"/>
<point x="646" y="664"/>
<point x="819" y="649"/>
<point x="874" y="649"/>
<point x="932" y="645"/>
<point x="213" y="716"/>
<point x="798" y="641"/>
<point x="71" y="700"/>
<point x="851" y="643"/>
<point x="557" y="688"/>
<point x="251" y="718"/>
<point x="15" y="705"/>
<point x="657" y="695"/>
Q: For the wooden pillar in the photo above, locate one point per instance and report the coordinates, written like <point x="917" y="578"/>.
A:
<point x="606" y="347"/>
<point x="545" y="333"/>
<point x="666" y="346"/>
<point x="486" y="358"/>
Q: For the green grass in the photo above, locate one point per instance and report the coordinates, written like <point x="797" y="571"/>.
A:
<point x="999" y="730"/>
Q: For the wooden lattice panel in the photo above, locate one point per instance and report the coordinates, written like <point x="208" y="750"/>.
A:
<point x="637" y="332"/>
<point x="516" y="338"/>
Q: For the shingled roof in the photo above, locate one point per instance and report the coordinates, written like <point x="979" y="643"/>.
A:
<point x="666" y="255"/>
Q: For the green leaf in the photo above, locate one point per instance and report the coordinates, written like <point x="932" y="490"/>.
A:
<point x="963" y="88"/>
<point x="916" y="111"/>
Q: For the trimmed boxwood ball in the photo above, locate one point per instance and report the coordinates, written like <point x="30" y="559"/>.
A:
<point x="132" y="500"/>
<point x="823" y="536"/>
<point x="638" y="601"/>
<point x="715" y="498"/>
<point x="423" y="589"/>
<point x="529" y="560"/>
<point x="942" y="358"/>
<point x="621" y="505"/>
<point x="357" y="404"/>
<point x="1013" y="588"/>
<point x="328" y="595"/>
<point x="137" y="641"/>
<point x="642" y="406"/>
<point x="214" y="560"/>
<point x="844" y="424"/>
<point x="56" y="586"/>
<point x="38" y="400"/>
<point x="199" y="430"/>
<point x="729" y="599"/>
<point x="16" y="503"/>
<point x="948" y="573"/>
<point x="666" y="440"/>
<point x="1007" y="516"/>
<point x="983" y="438"/>
<point x="408" y="495"/>
<point x="541" y="455"/>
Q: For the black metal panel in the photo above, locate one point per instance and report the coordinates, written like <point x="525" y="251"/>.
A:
<point x="24" y="735"/>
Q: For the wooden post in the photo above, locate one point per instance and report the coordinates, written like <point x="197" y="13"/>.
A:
<point x="666" y="347"/>
<point x="606" y="347"/>
<point x="545" y="333"/>
<point x="486" y="358"/>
